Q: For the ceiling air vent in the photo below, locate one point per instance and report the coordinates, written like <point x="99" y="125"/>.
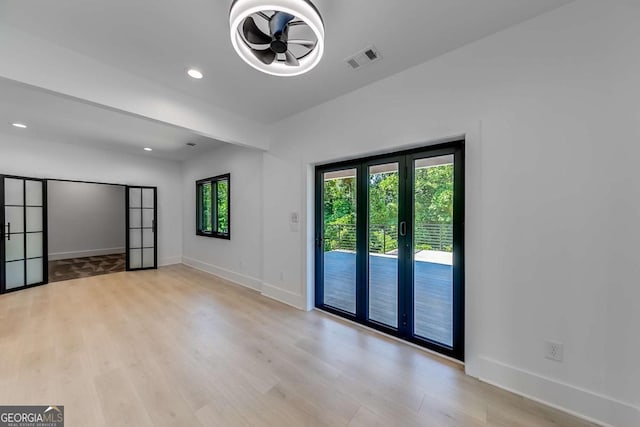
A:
<point x="363" y="58"/>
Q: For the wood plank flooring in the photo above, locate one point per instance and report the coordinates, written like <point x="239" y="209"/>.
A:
<point x="179" y="347"/>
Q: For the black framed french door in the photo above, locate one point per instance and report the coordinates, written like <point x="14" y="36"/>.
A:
<point x="390" y="244"/>
<point x="141" y="223"/>
<point x="23" y="237"/>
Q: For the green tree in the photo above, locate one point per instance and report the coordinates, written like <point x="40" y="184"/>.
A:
<point x="433" y="197"/>
<point x="223" y="207"/>
<point x="206" y="208"/>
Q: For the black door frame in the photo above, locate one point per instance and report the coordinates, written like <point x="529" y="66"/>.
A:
<point x="45" y="241"/>
<point x="405" y="243"/>
<point x="154" y="227"/>
<point x="45" y="237"/>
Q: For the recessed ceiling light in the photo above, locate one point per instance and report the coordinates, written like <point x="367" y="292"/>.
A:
<point x="277" y="37"/>
<point x="19" y="125"/>
<point x="148" y="149"/>
<point x="196" y="74"/>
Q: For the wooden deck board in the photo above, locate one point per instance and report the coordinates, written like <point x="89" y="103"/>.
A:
<point x="433" y="292"/>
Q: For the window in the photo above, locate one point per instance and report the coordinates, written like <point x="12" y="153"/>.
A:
<point x="212" y="206"/>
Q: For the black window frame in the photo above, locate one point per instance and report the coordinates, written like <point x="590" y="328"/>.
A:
<point x="214" y="214"/>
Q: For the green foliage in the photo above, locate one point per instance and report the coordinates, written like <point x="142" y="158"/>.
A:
<point x="433" y="213"/>
<point x="340" y="214"/>
<point x="206" y="208"/>
<point x="434" y="195"/>
<point x="215" y="207"/>
<point x="223" y="207"/>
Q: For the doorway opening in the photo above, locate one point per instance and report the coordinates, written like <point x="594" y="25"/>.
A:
<point x="86" y="224"/>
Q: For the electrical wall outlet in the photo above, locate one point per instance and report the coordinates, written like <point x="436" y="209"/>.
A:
<point x="554" y="351"/>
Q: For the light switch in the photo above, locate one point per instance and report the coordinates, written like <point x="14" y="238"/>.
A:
<point x="294" y="221"/>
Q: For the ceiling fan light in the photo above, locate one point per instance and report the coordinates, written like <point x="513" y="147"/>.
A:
<point x="303" y="10"/>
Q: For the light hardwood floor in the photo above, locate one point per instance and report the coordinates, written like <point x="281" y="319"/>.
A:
<point x="180" y="347"/>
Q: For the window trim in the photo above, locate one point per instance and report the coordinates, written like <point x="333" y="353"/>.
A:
<point x="214" y="214"/>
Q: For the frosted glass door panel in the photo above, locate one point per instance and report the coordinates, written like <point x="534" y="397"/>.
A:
<point x="14" y="247"/>
<point x="148" y="238"/>
<point x="135" y="218"/>
<point x="33" y="193"/>
<point x="148" y="258"/>
<point x="34" y="219"/>
<point x="135" y="198"/>
<point x="148" y="198"/>
<point x="34" y="245"/>
<point x="13" y="191"/>
<point x="34" y="271"/>
<point x="135" y="238"/>
<point x="135" y="258"/>
<point x="141" y="217"/>
<point x="147" y="218"/>
<point x="14" y="274"/>
<point x="14" y="218"/>
<point x="24" y="232"/>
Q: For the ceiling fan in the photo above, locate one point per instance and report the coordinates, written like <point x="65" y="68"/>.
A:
<point x="277" y="37"/>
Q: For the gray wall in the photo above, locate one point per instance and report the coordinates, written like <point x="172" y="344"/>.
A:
<point x="85" y="219"/>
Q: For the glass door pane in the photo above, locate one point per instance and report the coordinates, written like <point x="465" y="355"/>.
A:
<point x="383" y="206"/>
<point x="141" y="224"/>
<point x="23" y="240"/>
<point x="390" y="244"/>
<point x="433" y="191"/>
<point x="14" y="216"/>
<point x="339" y="189"/>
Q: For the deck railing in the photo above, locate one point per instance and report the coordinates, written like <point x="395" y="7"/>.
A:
<point x="384" y="238"/>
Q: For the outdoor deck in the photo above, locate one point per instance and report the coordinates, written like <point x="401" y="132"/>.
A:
<point x="433" y="292"/>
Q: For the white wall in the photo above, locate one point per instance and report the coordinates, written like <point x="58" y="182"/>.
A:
<point x="238" y="259"/>
<point x="75" y="75"/>
<point x="85" y="219"/>
<point x="43" y="159"/>
<point x="550" y="112"/>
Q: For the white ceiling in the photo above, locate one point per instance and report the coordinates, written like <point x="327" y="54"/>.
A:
<point x="52" y="117"/>
<point x="160" y="39"/>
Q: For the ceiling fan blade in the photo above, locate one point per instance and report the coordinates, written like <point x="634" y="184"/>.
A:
<point x="279" y="22"/>
<point x="267" y="56"/>
<point x="305" y="43"/>
<point x="253" y="34"/>
<point x="264" y="16"/>
<point x="290" y="59"/>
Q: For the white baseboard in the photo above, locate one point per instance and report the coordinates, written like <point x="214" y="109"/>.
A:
<point x="86" y="253"/>
<point x="232" y="276"/>
<point x="169" y="261"/>
<point x="574" y="400"/>
<point x="265" y="289"/>
<point x="284" y="296"/>
<point x="585" y="404"/>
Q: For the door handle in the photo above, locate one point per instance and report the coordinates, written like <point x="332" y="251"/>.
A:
<point x="8" y="231"/>
<point x="403" y="228"/>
